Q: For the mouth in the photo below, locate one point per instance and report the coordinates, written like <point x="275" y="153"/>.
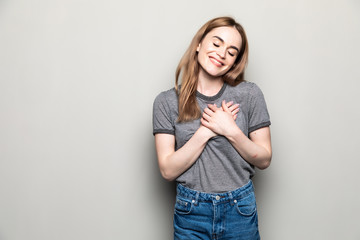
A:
<point x="216" y="62"/>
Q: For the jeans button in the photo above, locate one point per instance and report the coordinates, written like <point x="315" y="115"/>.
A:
<point x="217" y="198"/>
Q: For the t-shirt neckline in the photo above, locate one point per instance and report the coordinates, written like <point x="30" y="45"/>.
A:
<point x="211" y="98"/>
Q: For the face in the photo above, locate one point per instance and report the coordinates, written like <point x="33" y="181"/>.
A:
<point x="217" y="52"/>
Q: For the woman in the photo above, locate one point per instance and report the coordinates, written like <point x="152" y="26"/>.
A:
<point x="210" y="134"/>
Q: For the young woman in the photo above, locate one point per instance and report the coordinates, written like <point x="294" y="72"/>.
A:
<point x="210" y="134"/>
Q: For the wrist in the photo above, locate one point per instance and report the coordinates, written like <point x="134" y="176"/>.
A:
<point x="205" y="133"/>
<point x="234" y="134"/>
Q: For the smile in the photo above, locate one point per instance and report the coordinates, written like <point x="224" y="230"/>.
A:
<point x="217" y="63"/>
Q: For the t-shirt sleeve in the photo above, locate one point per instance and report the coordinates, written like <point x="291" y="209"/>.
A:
<point x="162" y="122"/>
<point x="258" y="113"/>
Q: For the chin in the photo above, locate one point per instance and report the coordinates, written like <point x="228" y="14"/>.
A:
<point x="216" y="73"/>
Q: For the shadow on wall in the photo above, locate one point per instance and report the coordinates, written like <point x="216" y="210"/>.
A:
<point x="159" y="184"/>
<point x="162" y="193"/>
<point x="258" y="180"/>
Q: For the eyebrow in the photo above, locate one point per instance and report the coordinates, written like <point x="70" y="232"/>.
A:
<point x="221" y="40"/>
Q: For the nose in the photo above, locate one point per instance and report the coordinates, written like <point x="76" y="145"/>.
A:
<point x="221" y="52"/>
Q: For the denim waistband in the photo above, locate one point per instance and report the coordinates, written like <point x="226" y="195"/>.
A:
<point x="197" y="196"/>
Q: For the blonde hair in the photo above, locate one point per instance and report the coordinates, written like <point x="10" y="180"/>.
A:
<point x="189" y="68"/>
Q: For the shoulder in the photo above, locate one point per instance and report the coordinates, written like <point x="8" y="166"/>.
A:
<point x="168" y="95"/>
<point x="166" y="100"/>
<point x="249" y="88"/>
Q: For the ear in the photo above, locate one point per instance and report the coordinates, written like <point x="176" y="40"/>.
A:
<point x="198" y="47"/>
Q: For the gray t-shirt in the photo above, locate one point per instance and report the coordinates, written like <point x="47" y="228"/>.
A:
<point x="219" y="168"/>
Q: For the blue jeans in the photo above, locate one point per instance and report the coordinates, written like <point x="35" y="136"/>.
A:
<point x="231" y="215"/>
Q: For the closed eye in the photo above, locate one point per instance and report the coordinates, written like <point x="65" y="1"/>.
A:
<point x="216" y="45"/>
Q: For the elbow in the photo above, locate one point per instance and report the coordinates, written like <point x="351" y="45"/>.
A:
<point x="166" y="170"/>
<point x="167" y="175"/>
<point x="266" y="160"/>
<point x="264" y="164"/>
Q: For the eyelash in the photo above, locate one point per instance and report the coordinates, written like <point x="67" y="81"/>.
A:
<point x="216" y="45"/>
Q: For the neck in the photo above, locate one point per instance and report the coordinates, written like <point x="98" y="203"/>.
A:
<point x="209" y="85"/>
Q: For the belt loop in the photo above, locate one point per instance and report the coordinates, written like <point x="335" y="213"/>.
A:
<point x="231" y="199"/>
<point x="196" y="197"/>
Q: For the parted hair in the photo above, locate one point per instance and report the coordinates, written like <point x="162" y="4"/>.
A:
<point x="189" y="67"/>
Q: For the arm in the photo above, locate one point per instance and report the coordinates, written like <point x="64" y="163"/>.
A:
<point x="256" y="150"/>
<point x="173" y="163"/>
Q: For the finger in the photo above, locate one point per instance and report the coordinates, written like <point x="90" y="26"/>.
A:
<point x="229" y="103"/>
<point x="212" y="107"/>
<point x="204" y="122"/>
<point x="233" y="107"/>
<point x="235" y="111"/>
<point x="206" y="116"/>
<point x="208" y="112"/>
<point x="224" y="107"/>
<point x="235" y="116"/>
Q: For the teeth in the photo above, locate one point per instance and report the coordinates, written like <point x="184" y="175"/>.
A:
<point x="217" y="61"/>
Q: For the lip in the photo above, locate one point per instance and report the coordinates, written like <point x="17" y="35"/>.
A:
<point x="216" y="61"/>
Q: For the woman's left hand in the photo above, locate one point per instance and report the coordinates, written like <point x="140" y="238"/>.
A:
<point x="220" y="120"/>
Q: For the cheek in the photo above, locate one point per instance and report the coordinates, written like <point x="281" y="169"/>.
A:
<point x="202" y="58"/>
<point x="207" y="47"/>
<point x="231" y="63"/>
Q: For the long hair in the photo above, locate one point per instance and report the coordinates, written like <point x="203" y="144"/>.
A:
<point x="189" y="68"/>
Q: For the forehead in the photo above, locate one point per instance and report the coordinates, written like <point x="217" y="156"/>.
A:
<point x="230" y="35"/>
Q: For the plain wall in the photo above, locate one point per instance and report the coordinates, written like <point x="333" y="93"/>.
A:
<point x="77" y="83"/>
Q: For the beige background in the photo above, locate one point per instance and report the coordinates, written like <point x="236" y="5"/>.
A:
<point x="77" y="83"/>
